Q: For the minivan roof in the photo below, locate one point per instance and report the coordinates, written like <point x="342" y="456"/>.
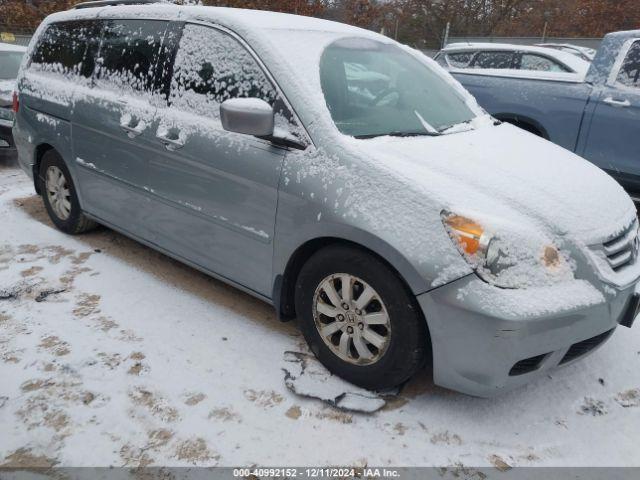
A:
<point x="289" y="46"/>
<point x="227" y="16"/>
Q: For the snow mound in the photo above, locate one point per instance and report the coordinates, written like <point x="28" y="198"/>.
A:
<point x="304" y="375"/>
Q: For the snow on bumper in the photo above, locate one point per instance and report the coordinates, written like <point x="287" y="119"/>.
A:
<point x="487" y="340"/>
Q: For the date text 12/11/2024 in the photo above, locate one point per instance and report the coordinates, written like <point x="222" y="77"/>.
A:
<point x="310" y="472"/>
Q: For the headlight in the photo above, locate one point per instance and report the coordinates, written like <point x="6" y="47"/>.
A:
<point x="509" y="259"/>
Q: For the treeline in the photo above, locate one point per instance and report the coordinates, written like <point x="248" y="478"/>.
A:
<point x="420" y="23"/>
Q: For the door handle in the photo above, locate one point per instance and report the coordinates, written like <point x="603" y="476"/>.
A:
<point x="131" y="132"/>
<point x="617" y="103"/>
<point x="170" y="142"/>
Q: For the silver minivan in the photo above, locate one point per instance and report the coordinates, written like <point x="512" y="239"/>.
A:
<point x="340" y="176"/>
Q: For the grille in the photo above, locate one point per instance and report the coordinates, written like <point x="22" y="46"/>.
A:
<point x="585" y="346"/>
<point x="527" y="365"/>
<point x="622" y="250"/>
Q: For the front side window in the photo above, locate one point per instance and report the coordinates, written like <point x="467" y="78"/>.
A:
<point x="460" y="60"/>
<point x="10" y="64"/>
<point x="129" y="54"/>
<point x="68" y="48"/>
<point x="211" y="67"/>
<point x="372" y="89"/>
<point x="539" y="63"/>
<point x="493" y="60"/>
<point x="629" y="74"/>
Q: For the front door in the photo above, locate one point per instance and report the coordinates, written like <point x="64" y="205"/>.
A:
<point x="613" y="141"/>
<point x="217" y="191"/>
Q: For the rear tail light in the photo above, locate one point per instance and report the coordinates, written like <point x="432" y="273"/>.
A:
<point x="16" y="103"/>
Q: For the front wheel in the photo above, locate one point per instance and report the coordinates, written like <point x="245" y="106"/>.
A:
<point x="359" y="319"/>
<point x="59" y="196"/>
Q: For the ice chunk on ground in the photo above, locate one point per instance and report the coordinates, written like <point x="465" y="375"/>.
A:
<point x="304" y="375"/>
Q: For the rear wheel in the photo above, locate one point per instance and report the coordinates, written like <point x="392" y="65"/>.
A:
<point x="59" y="196"/>
<point x="359" y="319"/>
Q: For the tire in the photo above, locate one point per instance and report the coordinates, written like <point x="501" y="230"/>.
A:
<point x="405" y="333"/>
<point x="70" y="219"/>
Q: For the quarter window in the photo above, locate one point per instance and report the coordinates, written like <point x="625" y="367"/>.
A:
<point x="539" y="63"/>
<point x="629" y="74"/>
<point x="459" y="60"/>
<point x="493" y="60"/>
<point x="68" y="48"/>
<point x="211" y="67"/>
<point x="441" y="59"/>
<point x="129" y="54"/>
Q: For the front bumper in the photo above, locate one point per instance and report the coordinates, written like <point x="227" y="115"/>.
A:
<point x="7" y="144"/>
<point x="488" y="340"/>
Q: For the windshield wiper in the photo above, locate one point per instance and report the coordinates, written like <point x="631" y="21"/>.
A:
<point x="398" y="134"/>
<point x="443" y="130"/>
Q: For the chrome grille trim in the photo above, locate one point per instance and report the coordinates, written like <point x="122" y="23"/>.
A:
<point x="619" y="260"/>
<point x="622" y="250"/>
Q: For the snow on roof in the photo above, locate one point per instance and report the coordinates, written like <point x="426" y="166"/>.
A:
<point x="573" y="62"/>
<point x="566" y="45"/>
<point x="238" y="17"/>
<point x="8" y="47"/>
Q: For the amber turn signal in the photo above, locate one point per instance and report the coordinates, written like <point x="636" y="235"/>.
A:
<point x="466" y="231"/>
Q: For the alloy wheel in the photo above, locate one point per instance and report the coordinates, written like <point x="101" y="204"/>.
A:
<point x="58" y="192"/>
<point x="351" y="319"/>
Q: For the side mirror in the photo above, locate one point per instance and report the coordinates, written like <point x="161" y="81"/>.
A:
<point x="251" y="116"/>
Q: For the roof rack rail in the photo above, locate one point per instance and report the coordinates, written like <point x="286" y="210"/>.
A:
<point x="111" y="3"/>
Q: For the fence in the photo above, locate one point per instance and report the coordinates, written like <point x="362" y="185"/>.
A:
<point x="582" y="42"/>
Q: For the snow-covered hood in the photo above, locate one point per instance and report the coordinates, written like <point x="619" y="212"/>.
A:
<point x="504" y="172"/>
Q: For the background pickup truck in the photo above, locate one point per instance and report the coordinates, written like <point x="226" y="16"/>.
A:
<point x="597" y="117"/>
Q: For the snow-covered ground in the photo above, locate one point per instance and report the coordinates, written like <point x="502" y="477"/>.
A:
<point x="113" y="354"/>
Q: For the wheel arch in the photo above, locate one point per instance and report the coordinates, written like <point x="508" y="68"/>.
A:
<point x="524" y="122"/>
<point x="284" y="283"/>
<point x="39" y="152"/>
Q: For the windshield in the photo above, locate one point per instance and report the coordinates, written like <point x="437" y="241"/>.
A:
<point x="374" y="89"/>
<point x="10" y="64"/>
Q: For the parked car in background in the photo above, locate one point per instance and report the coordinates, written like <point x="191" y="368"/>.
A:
<point x="584" y="53"/>
<point x="338" y="175"/>
<point x="10" y="59"/>
<point x="597" y="117"/>
<point x="518" y="60"/>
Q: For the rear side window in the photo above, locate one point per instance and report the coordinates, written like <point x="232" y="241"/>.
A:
<point x="68" y="48"/>
<point x="211" y="67"/>
<point x="493" y="60"/>
<point x="539" y="63"/>
<point x="459" y="60"/>
<point x="129" y="55"/>
<point x="629" y="74"/>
